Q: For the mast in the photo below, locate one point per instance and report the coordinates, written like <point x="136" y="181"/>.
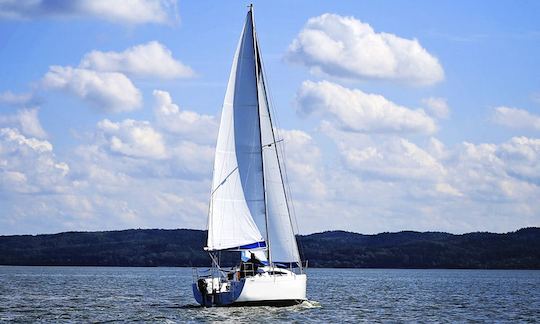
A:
<point x="277" y="212"/>
<point x="257" y="74"/>
<point x="274" y="142"/>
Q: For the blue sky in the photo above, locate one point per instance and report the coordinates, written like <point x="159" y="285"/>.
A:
<point x="395" y="115"/>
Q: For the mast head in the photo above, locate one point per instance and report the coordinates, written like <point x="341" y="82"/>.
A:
<point x="250" y="6"/>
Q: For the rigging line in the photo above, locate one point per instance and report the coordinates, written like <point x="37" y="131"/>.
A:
<point x="223" y="182"/>
<point x="273" y="143"/>
<point x="259" y="61"/>
<point x="288" y="193"/>
<point x="301" y="245"/>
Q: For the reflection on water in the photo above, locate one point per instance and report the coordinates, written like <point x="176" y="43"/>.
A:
<point x="164" y="295"/>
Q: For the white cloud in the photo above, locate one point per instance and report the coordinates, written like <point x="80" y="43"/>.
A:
<point x="358" y="111"/>
<point x="490" y="173"/>
<point x="187" y="124"/>
<point x="106" y="91"/>
<point x="388" y="157"/>
<point x="12" y="135"/>
<point x="146" y="60"/>
<point x="30" y="124"/>
<point x="378" y="183"/>
<point x="516" y="118"/>
<point x="436" y="149"/>
<point x="100" y="78"/>
<point x="128" y="174"/>
<point x="126" y="11"/>
<point x="383" y="181"/>
<point x="140" y="148"/>
<point x="27" y="121"/>
<point x="522" y="158"/>
<point x="15" y="99"/>
<point x="28" y="165"/>
<point x="445" y="188"/>
<point x="346" y="47"/>
<point x="438" y="107"/>
<point x="145" y="176"/>
<point x="133" y="138"/>
<point x="393" y="158"/>
<point x="143" y="191"/>
<point x="190" y="159"/>
<point x="301" y="159"/>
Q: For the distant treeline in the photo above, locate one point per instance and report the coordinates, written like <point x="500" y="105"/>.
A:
<point x="337" y="249"/>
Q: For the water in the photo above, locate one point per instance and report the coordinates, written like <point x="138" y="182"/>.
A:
<point x="97" y="294"/>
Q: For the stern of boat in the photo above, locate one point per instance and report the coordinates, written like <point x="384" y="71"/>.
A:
<point x="215" y="291"/>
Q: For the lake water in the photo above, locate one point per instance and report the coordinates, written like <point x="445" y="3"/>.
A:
<point x="98" y="294"/>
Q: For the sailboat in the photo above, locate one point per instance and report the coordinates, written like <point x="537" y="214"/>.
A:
<point x="249" y="207"/>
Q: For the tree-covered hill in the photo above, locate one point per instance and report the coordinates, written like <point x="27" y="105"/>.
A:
<point x="515" y="250"/>
<point x="183" y="247"/>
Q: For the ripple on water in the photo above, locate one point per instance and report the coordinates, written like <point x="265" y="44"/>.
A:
<point x="84" y="294"/>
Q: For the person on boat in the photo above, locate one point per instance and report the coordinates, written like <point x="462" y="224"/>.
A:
<point x="256" y="262"/>
<point x="242" y="271"/>
<point x="201" y="283"/>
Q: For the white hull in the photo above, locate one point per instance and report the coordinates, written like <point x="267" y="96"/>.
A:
<point x="285" y="288"/>
<point x="273" y="288"/>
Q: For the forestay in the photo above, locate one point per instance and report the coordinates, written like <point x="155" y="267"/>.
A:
<point x="280" y="231"/>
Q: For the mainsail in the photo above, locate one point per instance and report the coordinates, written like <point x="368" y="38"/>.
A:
<point x="248" y="207"/>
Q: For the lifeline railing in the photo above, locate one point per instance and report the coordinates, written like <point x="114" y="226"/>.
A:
<point x="238" y="272"/>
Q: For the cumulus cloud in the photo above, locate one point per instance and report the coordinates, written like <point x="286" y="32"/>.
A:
<point x="388" y="157"/>
<point x="187" y="124"/>
<point x="27" y="121"/>
<point x="106" y="91"/>
<point x="522" y="158"/>
<point x="379" y="182"/>
<point x="30" y="124"/>
<point x="301" y="157"/>
<point x="191" y="160"/>
<point x="496" y="173"/>
<point x="393" y="158"/>
<point x="358" y="111"/>
<point x="155" y="174"/>
<point x="132" y="169"/>
<point x="133" y="138"/>
<point x="390" y="181"/>
<point x="516" y="118"/>
<point x="348" y="48"/>
<point x="28" y="165"/>
<point x="437" y="107"/>
<point x="126" y="11"/>
<point x="101" y="77"/>
<point x="146" y="60"/>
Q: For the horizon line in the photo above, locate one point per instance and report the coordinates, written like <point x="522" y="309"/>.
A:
<point x="298" y="234"/>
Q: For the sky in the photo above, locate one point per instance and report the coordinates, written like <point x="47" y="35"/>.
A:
<point x="394" y="115"/>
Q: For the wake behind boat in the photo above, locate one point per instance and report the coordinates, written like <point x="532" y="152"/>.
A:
<point x="249" y="210"/>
